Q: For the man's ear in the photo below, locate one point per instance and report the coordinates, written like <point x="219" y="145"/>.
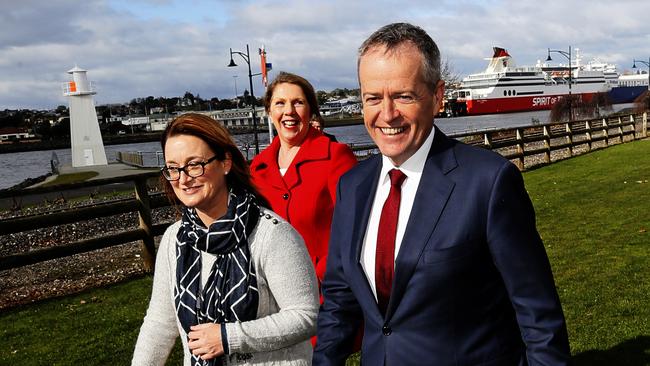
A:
<point x="439" y="95"/>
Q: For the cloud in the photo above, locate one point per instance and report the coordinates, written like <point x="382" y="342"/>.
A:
<point x="137" y="48"/>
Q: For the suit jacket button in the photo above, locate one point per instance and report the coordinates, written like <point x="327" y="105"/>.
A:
<point x="285" y="196"/>
<point x="386" y="330"/>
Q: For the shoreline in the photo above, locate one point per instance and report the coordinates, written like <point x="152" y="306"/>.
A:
<point x="145" y="137"/>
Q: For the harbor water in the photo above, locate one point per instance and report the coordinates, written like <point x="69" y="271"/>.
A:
<point x="24" y="165"/>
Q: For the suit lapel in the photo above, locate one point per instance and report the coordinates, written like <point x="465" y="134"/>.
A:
<point x="364" y="194"/>
<point x="430" y="200"/>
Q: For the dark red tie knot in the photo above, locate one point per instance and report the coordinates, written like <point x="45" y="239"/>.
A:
<point x="396" y="177"/>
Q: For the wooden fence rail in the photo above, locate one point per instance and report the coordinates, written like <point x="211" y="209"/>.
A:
<point x="143" y="203"/>
<point x="542" y="140"/>
<point x="515" y="144"/>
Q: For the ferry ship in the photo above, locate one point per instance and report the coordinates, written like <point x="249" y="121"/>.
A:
<point x="503" y="87"/>
<point x="628" y="88"/>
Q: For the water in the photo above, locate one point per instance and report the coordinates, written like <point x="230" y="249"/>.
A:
<point x="20" y="166"/>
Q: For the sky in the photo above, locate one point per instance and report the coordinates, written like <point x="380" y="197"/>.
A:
<point x="140" y="48"/>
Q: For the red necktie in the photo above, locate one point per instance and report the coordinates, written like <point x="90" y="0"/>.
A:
<point x="385" y="254"/>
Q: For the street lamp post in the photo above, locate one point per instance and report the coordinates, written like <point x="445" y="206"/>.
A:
<point x="246" y="57"/>
<point x="567" y="55"/>
<point x="645" y="63"/>
<point x="234" y="77"/>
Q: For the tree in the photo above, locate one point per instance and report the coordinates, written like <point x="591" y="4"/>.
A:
<point x="642" y="102"/>
<point x="570" y="107"/>
<point x="224" y="104"/>
<point x="448" y="74"/>
<point x="189" y="97"/>
<point x="321" y="96"/>
<point x="61" y="110"/>
<point x="62" y="128"/>
<point x="43" y="129"/>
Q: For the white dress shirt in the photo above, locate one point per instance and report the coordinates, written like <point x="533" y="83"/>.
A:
<point x="413" y="168"/>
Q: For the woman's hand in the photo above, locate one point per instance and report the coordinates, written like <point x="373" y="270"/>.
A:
<point x="205" y="340"/>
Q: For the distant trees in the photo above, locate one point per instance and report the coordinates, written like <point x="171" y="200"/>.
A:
<point x="321" y="96"/>
<point x="61" y="110"/>
<point x="448" y="74"/>
<point x="14" y="118"/>
<point x="642" y="102"/>
<point x="62" y="128"/>
<point x="338" y="93"/>
<point x="574" y="106"/>
<point x="48" y="123"/>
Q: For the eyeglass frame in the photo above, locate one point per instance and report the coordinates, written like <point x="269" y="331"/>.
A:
<point x="165" y="170"/>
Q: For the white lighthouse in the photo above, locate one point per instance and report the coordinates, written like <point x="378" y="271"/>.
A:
<point x="85" y="137"/>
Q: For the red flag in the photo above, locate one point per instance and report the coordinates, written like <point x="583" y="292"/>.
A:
<point x="265" y="80"/>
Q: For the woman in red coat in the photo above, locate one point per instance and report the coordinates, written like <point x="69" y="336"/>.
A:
<point x="299" y="171"/>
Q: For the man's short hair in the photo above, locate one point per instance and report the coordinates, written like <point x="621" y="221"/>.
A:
<point x="394" y="35"/>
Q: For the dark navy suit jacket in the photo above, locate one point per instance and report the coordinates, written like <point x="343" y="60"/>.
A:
<point x="472" y="283"/>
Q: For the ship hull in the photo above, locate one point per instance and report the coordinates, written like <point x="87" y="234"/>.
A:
<point x="626" y="94"/>
<point x="517" y="104"/>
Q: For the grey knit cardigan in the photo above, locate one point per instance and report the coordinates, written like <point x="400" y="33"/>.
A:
<point x="288" y="302"/>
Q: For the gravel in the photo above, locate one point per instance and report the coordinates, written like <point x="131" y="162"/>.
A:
<point x="64" y="276"/>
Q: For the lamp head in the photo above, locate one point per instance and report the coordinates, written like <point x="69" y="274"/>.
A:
<point x="548" y="58"/>
<point x="232" y="62"/>
<point x="634" y="65"/>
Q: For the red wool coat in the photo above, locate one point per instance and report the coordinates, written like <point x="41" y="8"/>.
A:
<point x="306" y="194"/>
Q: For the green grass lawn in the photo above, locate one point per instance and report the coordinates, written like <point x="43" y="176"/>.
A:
<point x="592" y="212"/>
<point x="97" y="327"/>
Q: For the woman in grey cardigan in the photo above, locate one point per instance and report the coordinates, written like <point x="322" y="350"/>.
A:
<point x="232" y="279"/>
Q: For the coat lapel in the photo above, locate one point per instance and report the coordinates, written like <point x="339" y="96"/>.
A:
<point x="430" y="200"/>
<point x="364" y="194"/>
<point x="266" y="165"/>
<point x="314" y="147"/>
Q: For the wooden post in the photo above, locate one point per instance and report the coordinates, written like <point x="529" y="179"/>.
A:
<point x="588" y="133"/>
<point x="620" y="128"/>
<point x="520" y="150"/>
<point x="644" y="126"/>
<point x="487" y="140"/>
<point x="569" y="137"/>
<point x="605" y="132"/>
<point x="144" y="216"/>
<point x="547" y="145"/>
<point x="633" y="124"/>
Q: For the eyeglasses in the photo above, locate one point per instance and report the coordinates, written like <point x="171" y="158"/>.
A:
<point x="193" y="170"/>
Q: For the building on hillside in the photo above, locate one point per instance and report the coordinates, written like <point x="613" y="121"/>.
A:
<point x="350" y="105"/>
<point x="240" y="117"/>
<point x="14" y="134"/>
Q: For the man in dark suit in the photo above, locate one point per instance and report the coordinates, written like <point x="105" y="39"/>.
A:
<point x="433" y="247"/>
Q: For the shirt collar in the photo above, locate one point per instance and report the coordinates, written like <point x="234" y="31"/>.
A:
<point x="413" y="165"/>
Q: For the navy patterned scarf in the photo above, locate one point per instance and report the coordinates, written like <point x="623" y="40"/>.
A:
<point x="230" y="292"/>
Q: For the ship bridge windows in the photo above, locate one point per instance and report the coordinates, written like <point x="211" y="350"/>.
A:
<point x="509" y="93"/>
<point x="522" y="74"/>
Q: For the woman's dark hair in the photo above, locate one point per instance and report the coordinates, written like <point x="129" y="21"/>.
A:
<point x="307" y="89"/>
<point x="219" y="140"/>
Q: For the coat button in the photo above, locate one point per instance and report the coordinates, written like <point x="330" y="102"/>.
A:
<point x="386" y="330"/>
<point x="285" y="196"/>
